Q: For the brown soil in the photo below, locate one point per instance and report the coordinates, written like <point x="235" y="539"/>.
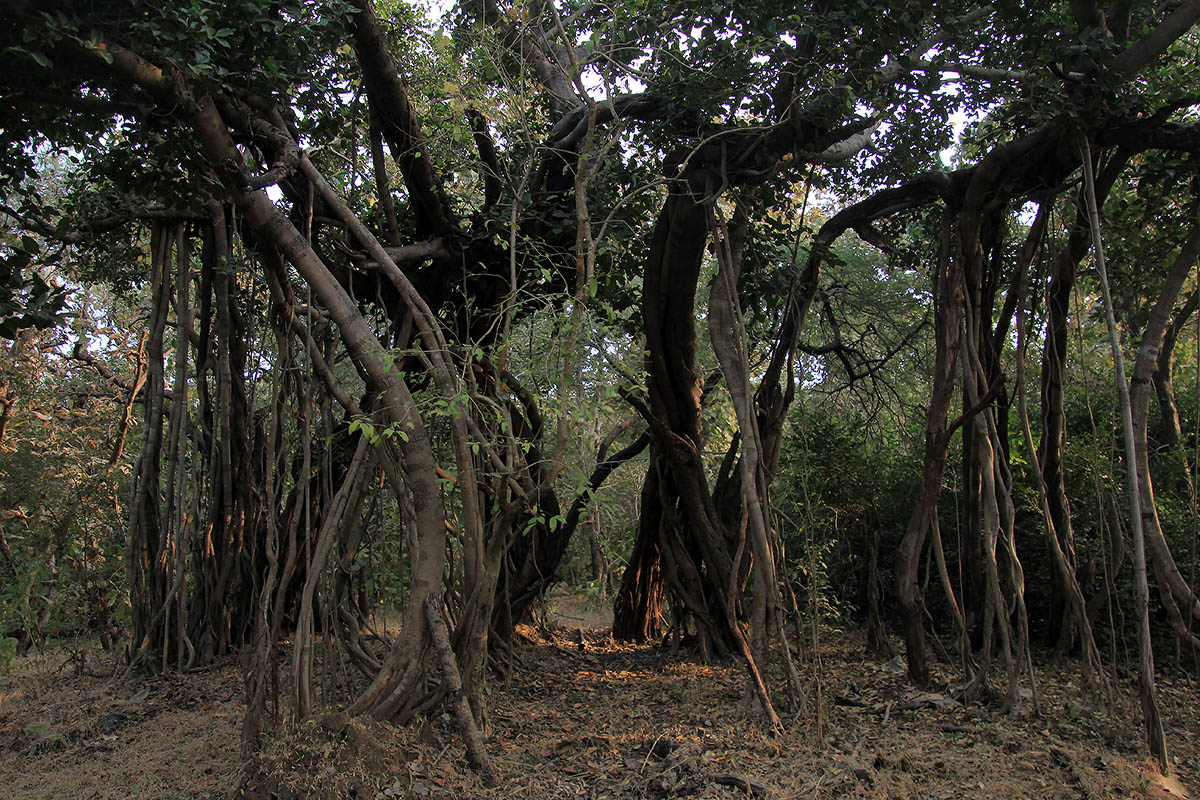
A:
<point x="604" y="721"/>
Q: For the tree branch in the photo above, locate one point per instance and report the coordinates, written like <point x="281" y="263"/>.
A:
<point x="492" y="173"/>
<point x="398" y="123"/>
<point x="1132" y="59"/>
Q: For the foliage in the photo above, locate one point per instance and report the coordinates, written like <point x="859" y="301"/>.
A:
<point x="845" y="478"/>
<point x="63" y="522"/>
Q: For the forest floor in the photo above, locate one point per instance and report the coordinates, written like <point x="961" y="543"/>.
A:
<point x="601" y="721"/>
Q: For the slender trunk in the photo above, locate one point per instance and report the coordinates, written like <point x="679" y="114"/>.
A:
<point x="727" y="330"/>
<point x="1053" y="410"/>
<point x="1155" y="737"/>
<point x="143" y="554"/>
<point x="1063" y="567"/>
<point x="1164" y="387"/>
<point x="344" y="506"/>
<point x="877" y="641"/>
<point x="947" y="290"/>
<point x="1177" y="594"/>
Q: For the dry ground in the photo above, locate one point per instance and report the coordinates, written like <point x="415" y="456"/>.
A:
<point x="606" y="721"/>
<point x="71" y="726"/>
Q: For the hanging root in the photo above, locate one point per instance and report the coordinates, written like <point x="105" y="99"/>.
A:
<point x="476" y="751"/>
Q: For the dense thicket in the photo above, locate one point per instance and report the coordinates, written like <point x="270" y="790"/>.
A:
<point x="373" y="308"/>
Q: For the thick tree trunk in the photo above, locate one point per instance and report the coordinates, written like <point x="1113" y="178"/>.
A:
<point x="700" y="554"/>
<point x="982" y="282"/>
<point x="395" y="690"/>
<point x="684" y="532"/>
<point x="637" y="608"/>
<point x="980" y="235"/>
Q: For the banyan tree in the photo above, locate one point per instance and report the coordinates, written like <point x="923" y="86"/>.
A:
<point x="342" y="214"/>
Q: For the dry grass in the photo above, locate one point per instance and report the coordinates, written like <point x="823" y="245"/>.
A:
<point x="607" y="721"/>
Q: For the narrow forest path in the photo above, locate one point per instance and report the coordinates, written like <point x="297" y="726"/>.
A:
<point x="607" y="721"/>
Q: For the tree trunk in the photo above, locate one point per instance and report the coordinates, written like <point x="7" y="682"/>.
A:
<point x="1155" y="737"/>
<point x="637" y="608"/>
<point x="145" y="566"/>
<point x="877" y="641"/>
<point x="1164" y="387"/>
<point x="1054" y="355"/>
<point x="947" y="291"/>
<point x="1177" y="594"/>
<point x="1063" y="567"/>
<point x="677" y="524"/>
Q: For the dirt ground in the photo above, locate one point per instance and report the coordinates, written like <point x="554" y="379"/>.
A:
<point x="71" y="726"/>
<point x="601" y="721"/>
